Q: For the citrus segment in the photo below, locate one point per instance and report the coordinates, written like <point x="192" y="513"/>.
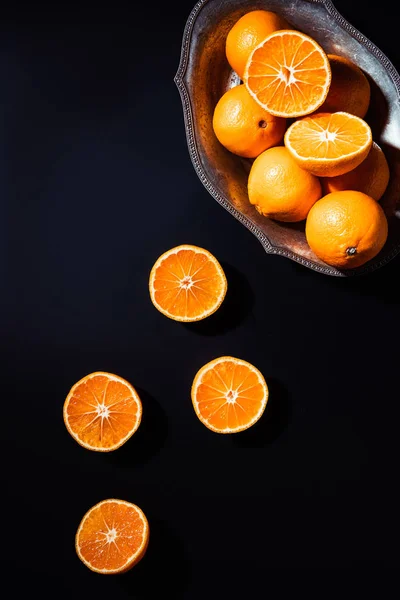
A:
<point x="102" y="411"/>
<point x="112" y="537"/>
<point x="329" y="144"/>
<point x="288" y="74"/>
<point x="229" y="395"/>
<point x="187" y="283"/>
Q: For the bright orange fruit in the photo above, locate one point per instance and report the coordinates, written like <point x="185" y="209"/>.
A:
<point x="329" y="144"/>
<point x="248" y="31"/>
<point x="243" y="127"/>
<point x="229" y="395"/>
<point x="279" y="188"/>
<point x="112" y="537"/>
<point x="187" y="283"/>
<point x="102" y="411"/>
<point x="346" y="229"/>
<point x="288" y="74"/>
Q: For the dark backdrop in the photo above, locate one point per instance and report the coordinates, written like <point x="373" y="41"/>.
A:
<point x="95" y="183"/>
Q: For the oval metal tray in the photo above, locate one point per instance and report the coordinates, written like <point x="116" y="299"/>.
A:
<point x="204" y="75"/>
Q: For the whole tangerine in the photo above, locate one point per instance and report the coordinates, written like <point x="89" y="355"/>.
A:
<point x="346" y="229"/>
<point x="279" y="188"/>
<point x="243" y="126"/>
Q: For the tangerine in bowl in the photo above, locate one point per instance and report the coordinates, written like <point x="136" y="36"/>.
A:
<point x="309" y="72"/>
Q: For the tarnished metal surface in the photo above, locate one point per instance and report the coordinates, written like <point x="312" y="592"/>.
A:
<point x="204" y="75"/>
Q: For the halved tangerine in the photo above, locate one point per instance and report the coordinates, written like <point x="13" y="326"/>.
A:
<point x="102" y="411"/>
<point x="288" y="74"/>
<point x="112" y="537"/>
<point x="329" y="144"/>
<point x="187" y="283"/>
<point x="229" y="394"/>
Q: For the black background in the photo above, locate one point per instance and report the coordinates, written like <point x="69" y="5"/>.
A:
<point x="95" y="183"/>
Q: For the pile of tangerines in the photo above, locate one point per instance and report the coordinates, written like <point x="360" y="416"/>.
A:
<point x="299" y="114"/>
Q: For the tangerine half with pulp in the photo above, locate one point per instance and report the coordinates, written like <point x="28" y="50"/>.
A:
<point x="102" y="411"/>
<point x="229" y="394"/>
<point x="112" y="537"/>
<point x="187" y="283"/>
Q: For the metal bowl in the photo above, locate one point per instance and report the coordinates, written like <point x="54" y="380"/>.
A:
<point x="204" y="75"/>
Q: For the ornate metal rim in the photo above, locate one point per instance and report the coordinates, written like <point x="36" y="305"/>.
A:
<point x="194" y="154"/>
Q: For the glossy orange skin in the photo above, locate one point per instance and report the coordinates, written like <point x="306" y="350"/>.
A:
<point x="279" y="188"/>
<point x="247" y="33"/>
<point x="244" y="127"/>
<point x="346" y="229"/>
<point x="371" y="177"/>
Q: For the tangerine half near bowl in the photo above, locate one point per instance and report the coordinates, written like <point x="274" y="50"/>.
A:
<point x="229" y="395"/>
<point x="102" y="411"/>
<point x="112" y="537"/>
<point x="187" y="283"/>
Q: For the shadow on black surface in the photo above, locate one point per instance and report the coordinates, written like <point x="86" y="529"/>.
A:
<point x="148" y="439"/>
<point x="238" y="303"/>
<point x="273" y="422"/>
<point x="381" y="283"/>
<point x="164" y="567"/>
